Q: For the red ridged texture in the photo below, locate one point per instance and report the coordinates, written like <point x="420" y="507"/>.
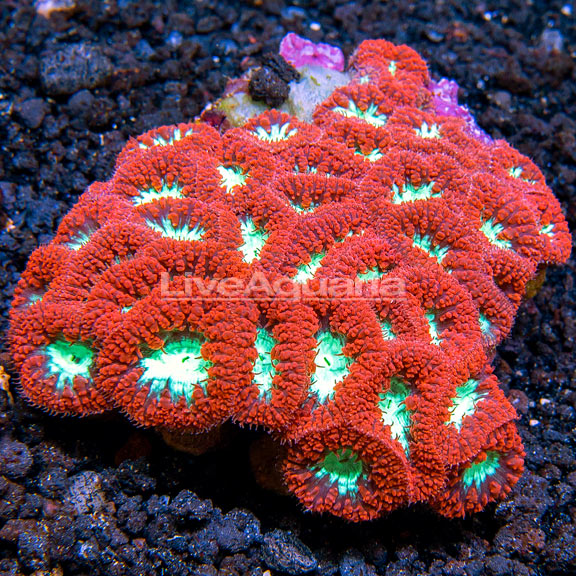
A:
<point x="340" y="284"/>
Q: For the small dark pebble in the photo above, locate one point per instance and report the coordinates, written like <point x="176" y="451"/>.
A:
<point x="12" y="530"/>
<point x="283" y="69"/>
<point x="53" y="482"/>
<point x="15" y="458"/>
<point x="208" y="24"/>
<point x="12" y="496"/>
<point x="266" y="86"/>
<point x="269" y="83"/>
<point x="236" y="531"/>
<point x="80" y="104"/>
<point x="33" y="549"/>
<point x="74" y="67"/>
<point x="85" y="494"/>
<point x="284" y="552"/>
<point x="32" y="112"/>
<point x="203" y="546"/>
<point x="353" y="564"/>
<point x="187" y="506"/>
<point x="134" y="477"/>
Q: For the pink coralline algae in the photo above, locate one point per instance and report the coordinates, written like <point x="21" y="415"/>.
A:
<point x="446" y="104"/>
<point x="301" y="52"/>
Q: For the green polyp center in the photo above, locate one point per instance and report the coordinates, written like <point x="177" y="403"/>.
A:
<point x="492" y="230"/>
<point x="150" y="195"/>
<point x="517" y="171"/>
<point x="394" y="412"/>
<point x="410" y="193"/>
<point x="79" y="239"/>
<point x="477" y="472"/>
<point x="232" y="176"/>
<point x="364" y="79"/>
<point x="425" y="131"/>
<point x="332" y="366"/>
<point x="485" y="324"/>
<point x="276" y="133"/>
<point x="465" y="402"/>
<point x="160" y="141"/>
<point x="264" y="368"/>
<point x="307" y="271"/>
<point x="178" y="367"/>
<point x="254" y="240"/>
<point x="369" y="115"/>
<point x="304" y="209"/>
<point x="342" y="468"/>
<point x="387" y="331"/>
<point x="33" y="298"/>
<point x="175" y="137"/>
<point x="67" y="360"/>
<point x="376" y="154"/>
<point x="373" y="273"/>
<point x="433" y="328"/>
<point x="548" y="230"/>
<point x="309" y="170"/>
<point x="392" y="67"/>
<point x="183" y="232"/>
<point x="425" y="243"/>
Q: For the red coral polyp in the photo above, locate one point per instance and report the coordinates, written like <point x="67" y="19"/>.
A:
<point x="179" y="363"/>
<point x="46" y="265"/>
<point x="348" y="468"/>
<point x="387" y="61"/>
<point x="339" y="284"/>
<point x="56" y="359"/>
<point x="488" y="477"/>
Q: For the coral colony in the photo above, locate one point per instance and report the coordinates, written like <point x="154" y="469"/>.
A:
<point x="340" y="283"/>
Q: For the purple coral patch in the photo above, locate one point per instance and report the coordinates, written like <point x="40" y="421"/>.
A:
<point x="446" y="104"/>
<point x="302" y="52"/>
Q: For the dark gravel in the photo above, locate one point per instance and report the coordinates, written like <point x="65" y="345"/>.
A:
<point x="96" y="496"/>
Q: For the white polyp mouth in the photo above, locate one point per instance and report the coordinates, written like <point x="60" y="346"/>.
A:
<point x="254" y="238"/>
<point x="232" y="176"/>
<point x="332" y="366"/>
<point x="67" y="360"/>
<point x="178" y="367"/>
<point x="342" y="468"/>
